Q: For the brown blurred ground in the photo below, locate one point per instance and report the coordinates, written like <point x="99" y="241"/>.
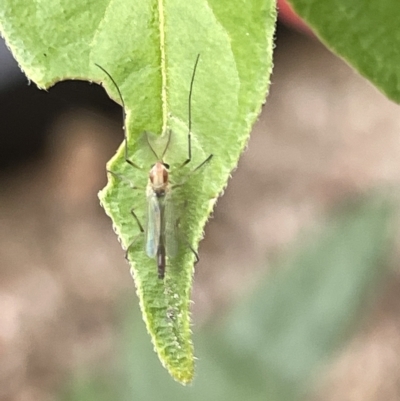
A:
<point x="325" y="134"/>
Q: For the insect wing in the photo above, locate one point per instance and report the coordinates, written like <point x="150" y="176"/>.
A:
<point x="153" y="226"/>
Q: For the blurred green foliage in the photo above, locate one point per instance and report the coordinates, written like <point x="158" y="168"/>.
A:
<point x="364" y="32"/>
<point x="272" y="343"/>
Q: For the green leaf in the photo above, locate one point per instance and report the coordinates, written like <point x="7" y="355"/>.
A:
<point x="149" y="47"/>
<point x="364" y="32"/>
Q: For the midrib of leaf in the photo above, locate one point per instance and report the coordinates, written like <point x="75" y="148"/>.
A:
<point x="164" y="103"/>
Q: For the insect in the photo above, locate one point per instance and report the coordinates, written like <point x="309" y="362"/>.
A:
<point x="160" y="226"/>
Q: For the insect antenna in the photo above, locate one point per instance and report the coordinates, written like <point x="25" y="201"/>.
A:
<point x="167" y="145"/>
<point x="123" y="115"/>
<point x="190" y="113"/>
<point x="151" y="147"/>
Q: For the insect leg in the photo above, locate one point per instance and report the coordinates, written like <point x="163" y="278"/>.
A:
<point x="184" y="239"/>
<point x="187" y="176"/>
<point x="122" y="178"/>
<point x="136" y="238"/>
<point x="196" y="255"/>
<point x="137" y="221"/>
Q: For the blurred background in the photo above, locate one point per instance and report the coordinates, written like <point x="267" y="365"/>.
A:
<point x="325" y="136"/>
